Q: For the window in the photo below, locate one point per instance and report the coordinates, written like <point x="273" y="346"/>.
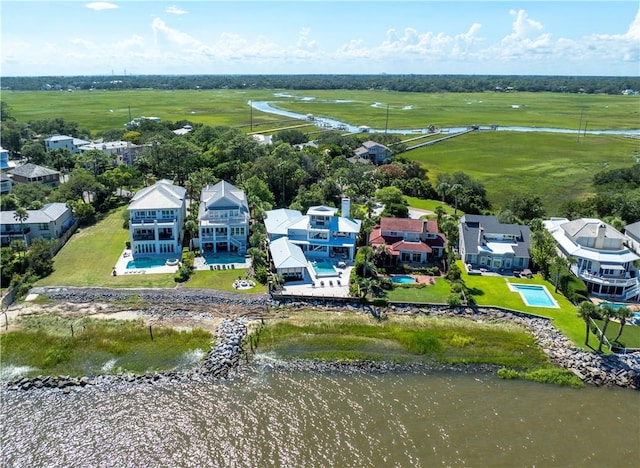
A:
<point x="43" y="226"/>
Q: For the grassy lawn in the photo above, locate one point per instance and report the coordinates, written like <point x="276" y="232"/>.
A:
<point x="630" y="337"/>
<point x="47" y="345"/>
<point x="89" y="256"/>
<point x="494" y="291"/>
<point x="431" y="293"/>
<point x="429" y="205"/>
<point x="221" y="280"/>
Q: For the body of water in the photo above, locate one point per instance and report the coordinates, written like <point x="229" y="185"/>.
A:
<point x="265" y="106"/>
<point x="271" y="418"/>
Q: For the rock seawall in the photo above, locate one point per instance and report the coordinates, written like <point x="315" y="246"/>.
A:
<point x="218" y="363"/>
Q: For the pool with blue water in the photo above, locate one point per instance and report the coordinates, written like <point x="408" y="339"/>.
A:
<point x="534" y="295"/>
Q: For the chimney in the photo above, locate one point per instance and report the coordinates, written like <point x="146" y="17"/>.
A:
<point x="600" y="236"/>
<point x="346" y="207"/>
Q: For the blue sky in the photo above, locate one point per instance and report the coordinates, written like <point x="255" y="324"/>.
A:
<point x="311" y="37"/>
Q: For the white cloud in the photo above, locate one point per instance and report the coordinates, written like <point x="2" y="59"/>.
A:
<point x="101" y="6"/>
<point x="174" y="10"/>
<point x="173" y="36"/>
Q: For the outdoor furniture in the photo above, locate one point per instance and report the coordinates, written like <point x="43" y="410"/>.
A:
<point x="338" y="282"/>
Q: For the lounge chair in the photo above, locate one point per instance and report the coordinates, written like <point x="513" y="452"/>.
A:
<point x="330" y="283"/>
<point x="338" y="283"/>
<point x="322" y="284"/>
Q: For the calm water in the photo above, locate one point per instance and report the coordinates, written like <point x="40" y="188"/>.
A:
<point x="267" y="418"/>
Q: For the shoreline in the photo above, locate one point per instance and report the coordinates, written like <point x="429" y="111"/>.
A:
<point x="236" y="314"/>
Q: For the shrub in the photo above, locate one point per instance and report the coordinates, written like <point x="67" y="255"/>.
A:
<point x="262" y="274"/>
<point x="454" y="300"/>
<point x="183" y="274"/>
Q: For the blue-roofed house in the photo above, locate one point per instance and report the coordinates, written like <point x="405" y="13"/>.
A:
<point x="4" y="158"/>
<point x="321" y="233"/>
<point x="223" y="219"/>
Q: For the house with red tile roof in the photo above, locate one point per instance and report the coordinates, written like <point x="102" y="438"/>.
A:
<point x="410" y="241"/>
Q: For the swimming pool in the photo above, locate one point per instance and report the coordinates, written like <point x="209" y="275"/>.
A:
<point x="534" y="295"/>
<point x="323" y="268"/>
<point x="144" y="262"/>
<point x="403" y="279"/>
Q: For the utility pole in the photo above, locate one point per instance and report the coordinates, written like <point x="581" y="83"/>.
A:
<point x="386" y="125"/>
<point x="580" y="126"/>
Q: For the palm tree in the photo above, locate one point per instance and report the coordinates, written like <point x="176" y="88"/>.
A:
<point x="622" y="314"/>
<point x="21" y="215"/>
<point x="586" y="311"/>
<point x="440" y="212"/>
<point x="443" y="190"/>
<point x="606" y="312"/>
<point x="456" y="190"/>
<point x="381" y="255"/>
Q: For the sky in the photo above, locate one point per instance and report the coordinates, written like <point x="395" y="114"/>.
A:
<point x="56" y="38"/>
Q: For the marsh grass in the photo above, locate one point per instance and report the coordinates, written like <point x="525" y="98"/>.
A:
<point x="349" y="336"/>
<point x="48" y="345"/>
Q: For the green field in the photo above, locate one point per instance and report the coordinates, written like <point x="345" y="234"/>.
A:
<point x="103" y="110"/>
<point x="553" y="165"/>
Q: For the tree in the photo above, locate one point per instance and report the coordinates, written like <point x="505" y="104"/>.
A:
<point x="191" y="227"/>
<point x="84" y="212"/>
<point x="622" y="314"/>
<point x="40" y="258"/>
<point x="587" y="311"/>
<point x="543" y="251"/>
<point x="456" y="191"/>
<point x="21" y="215"/>
<point x="606" y="313"/>
<point x="443" y="190"/>
<point x="389" y="196"/>
<point x="525" y="206"/>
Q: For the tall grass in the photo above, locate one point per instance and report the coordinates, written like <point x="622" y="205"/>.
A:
<point x="54" y="345"/>
<point x="444" y="340"/>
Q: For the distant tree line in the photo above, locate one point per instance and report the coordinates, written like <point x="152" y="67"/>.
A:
<point x="406" y="83"/>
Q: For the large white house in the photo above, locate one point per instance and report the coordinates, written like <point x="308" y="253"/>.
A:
<point x="156" y="220"/>
<point x="320" y="235"/>
<point x="223" y="219"/>
<point x="601" y="258"/>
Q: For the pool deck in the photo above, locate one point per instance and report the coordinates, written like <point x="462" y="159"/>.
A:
<point x="200" y="263"/>
<point x="326" y="286"/>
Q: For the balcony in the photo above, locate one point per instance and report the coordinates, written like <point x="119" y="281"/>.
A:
<point x="607" y="280"/>
<point x="152" y="221"/>
<point x="143" y="237"/>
